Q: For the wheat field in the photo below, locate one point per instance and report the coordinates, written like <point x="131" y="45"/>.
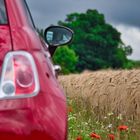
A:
<point x="106" y="91"/>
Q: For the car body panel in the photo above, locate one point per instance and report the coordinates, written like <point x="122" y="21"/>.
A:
<point x="44" y="115"/>
<point x="5" y="42"/>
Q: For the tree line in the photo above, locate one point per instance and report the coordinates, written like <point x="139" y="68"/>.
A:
<point x="96" y="45"/>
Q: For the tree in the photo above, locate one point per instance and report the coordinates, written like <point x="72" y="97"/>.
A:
<point x="40" y="32"/>
<point x="96" y="43"/>
<point x="128" y="50"/>
<point x="66" y="58"/>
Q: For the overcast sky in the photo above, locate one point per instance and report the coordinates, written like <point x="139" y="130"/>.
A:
<point x="123" y="14"/>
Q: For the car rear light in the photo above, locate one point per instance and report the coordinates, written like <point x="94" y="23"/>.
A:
<point x="19" y="78"/>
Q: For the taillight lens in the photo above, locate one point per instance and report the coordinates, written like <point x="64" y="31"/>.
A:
<point x="19" y="78"/>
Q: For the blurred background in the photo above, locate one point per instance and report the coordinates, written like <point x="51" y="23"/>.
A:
<point x="105" y="103"/>
<point x="122" y="15"/>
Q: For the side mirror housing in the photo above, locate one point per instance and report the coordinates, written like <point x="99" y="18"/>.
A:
<point x="58" y="35"/>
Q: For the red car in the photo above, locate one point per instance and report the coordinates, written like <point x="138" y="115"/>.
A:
<point x="32" y="105"/>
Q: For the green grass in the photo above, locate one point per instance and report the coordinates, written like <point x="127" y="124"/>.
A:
<point x="83" y="121"/>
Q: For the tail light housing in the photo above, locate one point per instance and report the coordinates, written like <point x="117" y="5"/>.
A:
<point x="19" y="77"/>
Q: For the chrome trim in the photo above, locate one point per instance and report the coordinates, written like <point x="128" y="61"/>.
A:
<point x="35" y="73"/>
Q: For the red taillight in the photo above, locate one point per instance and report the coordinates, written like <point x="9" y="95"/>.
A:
<point x="19" y="77"/>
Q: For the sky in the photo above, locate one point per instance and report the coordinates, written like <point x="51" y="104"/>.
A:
<point x="122" y="14"/>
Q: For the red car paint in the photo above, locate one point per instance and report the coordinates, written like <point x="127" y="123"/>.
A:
<point x="41" y="117"/>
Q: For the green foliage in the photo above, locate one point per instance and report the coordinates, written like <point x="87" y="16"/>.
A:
<point x="40" y="32"/>
<point x="128" y="50"/>
<point x="66" y="58"/>
<point x="97" y="44"/>
<point x="133" y="64"/>
<point x="84" y="120"/>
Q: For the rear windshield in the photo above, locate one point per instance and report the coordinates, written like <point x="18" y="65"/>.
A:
<point x="3" y="16"/>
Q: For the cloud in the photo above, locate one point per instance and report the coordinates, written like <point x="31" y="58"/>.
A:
<point x="131" y="36"/>
<point x="46" y="12"/>
<point x="124" y="14"/>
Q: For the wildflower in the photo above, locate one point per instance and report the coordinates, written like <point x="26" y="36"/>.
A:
<point x="70" y="109"/>
<point x="109" y="126"/>
<point x="79" y="138"/>
<point x="134" y="130"/>
<point x="119" y="117"/>
<point x="123" y="128"/>
<point x="94" y="135"/>
<point x="111" y="136"/>
<point x="71" y="118"/>
<point x="110" y="114"/>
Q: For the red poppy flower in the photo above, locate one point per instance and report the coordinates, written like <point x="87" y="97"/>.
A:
<point x="94" y="135"/>
<point x="123" y="128"/>
<point x="111" y="136"/>
<point x="70" y="109"/>
<point x="79" y="138"/>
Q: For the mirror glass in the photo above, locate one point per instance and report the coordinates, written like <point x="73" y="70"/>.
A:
<point x="56" y="35"/>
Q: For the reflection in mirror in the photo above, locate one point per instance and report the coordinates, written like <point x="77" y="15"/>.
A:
<point x="56" y="35"/>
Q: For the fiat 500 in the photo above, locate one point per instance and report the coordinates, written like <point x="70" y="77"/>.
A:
<point x="32" y="105"/>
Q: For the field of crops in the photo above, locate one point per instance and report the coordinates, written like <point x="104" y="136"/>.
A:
<point x="103" y="105"/>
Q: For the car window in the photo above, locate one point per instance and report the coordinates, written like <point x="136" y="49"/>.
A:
<point x="28" y="14"/>
<point x="3" y="16"/>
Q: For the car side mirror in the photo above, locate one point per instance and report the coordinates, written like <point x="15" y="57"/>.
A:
<point x="58" y="35"/>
